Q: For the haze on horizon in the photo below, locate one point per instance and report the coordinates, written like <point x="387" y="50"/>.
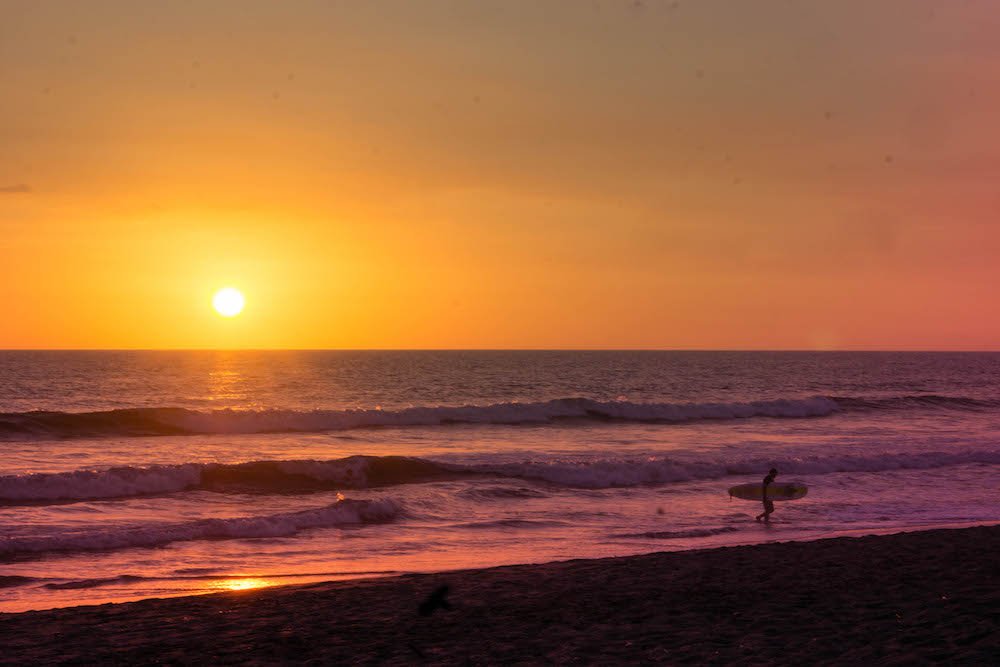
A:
<point x="443" y="174"/>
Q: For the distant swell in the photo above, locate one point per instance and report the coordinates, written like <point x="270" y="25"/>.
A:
<point x="180" y="421"/>
<point x="357" y="472"/>
<point x="341" y="513"/>
<point x="353" y="472"/>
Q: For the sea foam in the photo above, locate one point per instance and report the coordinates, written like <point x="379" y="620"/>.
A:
<point x="341" y="513"/>
<point x="181" y="421"/>
<point x="248" y="477"/>
<point x="358" y="472"/>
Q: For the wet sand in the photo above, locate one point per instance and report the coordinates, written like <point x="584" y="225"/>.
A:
<point x="930" y="596"/>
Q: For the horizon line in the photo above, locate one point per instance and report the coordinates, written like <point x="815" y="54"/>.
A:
<point x="497" y="349"/>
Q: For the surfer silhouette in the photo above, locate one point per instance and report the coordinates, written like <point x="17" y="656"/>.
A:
<point x="768" y="503"/>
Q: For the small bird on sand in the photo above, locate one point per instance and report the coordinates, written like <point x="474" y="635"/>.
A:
<point x="437" y="599"/>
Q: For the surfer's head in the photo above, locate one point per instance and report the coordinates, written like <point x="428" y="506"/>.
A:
<point x="773" y="472"/>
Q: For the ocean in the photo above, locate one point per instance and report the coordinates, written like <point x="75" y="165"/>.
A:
<point x="132" y="474"/>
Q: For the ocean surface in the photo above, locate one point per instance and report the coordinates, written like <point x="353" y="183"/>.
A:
<point x="128" y="475"/>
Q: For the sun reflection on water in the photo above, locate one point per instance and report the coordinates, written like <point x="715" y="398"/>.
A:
<point x="241" y="584"/>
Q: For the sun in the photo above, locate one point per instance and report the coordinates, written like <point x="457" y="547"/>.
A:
<point x="228" y="301"/>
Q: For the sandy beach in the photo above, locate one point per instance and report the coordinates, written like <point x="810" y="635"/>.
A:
<point x="912" y="597"/>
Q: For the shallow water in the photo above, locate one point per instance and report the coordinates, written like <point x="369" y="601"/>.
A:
<point x="138" y="474"/>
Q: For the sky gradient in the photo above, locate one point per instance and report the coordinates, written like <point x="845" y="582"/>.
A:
<point x="742" y="175"/>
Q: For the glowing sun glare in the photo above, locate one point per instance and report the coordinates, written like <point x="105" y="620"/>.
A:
<point x="241" y="584"/>
<point x="228" y="301"/>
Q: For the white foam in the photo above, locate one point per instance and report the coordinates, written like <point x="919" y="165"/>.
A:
<point x="93" y="484"/>
<point x="164" y="421"/>
<point x="341" y="513"/>
<point x="364" y="471"/>
<point x="608" y="473"/>
<point x="233" y="421"/>
<point x="125" y="481"/>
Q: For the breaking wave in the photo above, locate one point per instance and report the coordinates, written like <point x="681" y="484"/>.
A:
<point x="354" y="472"/>
<point x="357" y="472"/>
<point x="652" y="471"/>
<point x="181" y="421"/>
<point x="341" y="513"/>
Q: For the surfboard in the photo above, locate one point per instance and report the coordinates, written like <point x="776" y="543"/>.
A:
<point x="775" y="491"/>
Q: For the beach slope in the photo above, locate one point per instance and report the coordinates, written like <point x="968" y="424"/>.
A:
<point x="923" y="596"/>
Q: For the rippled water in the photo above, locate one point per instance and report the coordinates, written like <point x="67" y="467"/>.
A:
<point x="137" y="474"/>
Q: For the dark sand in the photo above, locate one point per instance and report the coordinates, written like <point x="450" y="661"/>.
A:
<point x="920" y="597"/>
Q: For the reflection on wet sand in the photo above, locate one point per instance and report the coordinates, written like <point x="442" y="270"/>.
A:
<point x="240" y="584"/>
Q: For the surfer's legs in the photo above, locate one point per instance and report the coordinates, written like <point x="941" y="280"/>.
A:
<point x="766" y="514"/>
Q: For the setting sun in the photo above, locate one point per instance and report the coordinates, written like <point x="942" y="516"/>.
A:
<point x="402" y="308"/>
<point x="228" y="302"/>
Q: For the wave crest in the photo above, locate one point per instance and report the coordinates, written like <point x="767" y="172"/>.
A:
<point x="354" y="472"/>
<point x="134" y="422"/>
<point x="341" y="513"/>
<point x="611" y="473"/>
<point x="357" y="472"/>
<point x="181" y="421"/>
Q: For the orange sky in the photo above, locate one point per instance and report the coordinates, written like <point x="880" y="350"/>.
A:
<point x="500" y="174"/>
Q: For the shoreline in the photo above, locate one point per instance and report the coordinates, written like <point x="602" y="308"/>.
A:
<point x="306" y="579"/>
<point x="918" y="595"/>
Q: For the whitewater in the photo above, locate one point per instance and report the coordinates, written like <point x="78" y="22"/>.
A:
<point x="145" y="474"/>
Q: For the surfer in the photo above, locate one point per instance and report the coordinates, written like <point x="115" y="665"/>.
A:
<point x="768" y="503"/>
